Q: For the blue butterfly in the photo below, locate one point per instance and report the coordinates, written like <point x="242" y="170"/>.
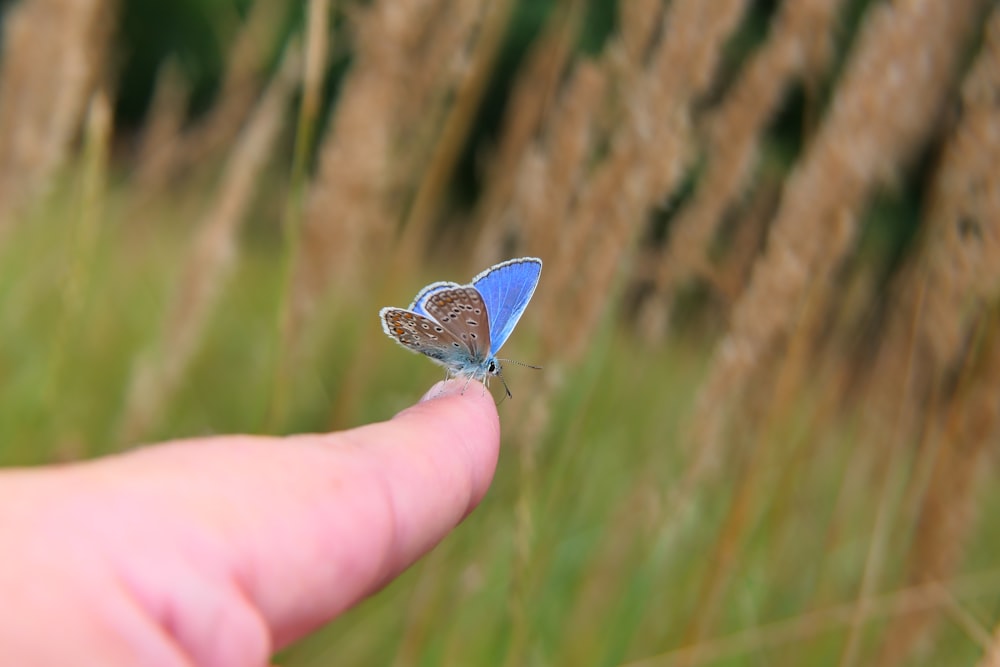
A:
<point x="462" y="327"/>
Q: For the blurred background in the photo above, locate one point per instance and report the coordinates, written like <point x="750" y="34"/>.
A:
<point x="766" y="429"/>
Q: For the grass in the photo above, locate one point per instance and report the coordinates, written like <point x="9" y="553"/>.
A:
<point x="613" y="576"/>
<point x="837" y="509"/>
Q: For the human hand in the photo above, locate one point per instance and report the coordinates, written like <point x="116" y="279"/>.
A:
<point x="218" y="551"/>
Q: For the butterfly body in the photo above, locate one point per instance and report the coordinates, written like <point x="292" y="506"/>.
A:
<point x="462" y="327"/>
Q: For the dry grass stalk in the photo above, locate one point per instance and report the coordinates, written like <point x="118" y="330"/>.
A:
<point x="450" y="140"/>
<point x="968" y="427"/>
<point x="889" y="474"/>
<point x="960" y="261"/>
<point x="314" y="64"/>
<point x="96" y="147"/>
<point x="212" y="256"/>
<point x="313" y="70"/>
<point x="628" y="532"/>
<point x="799" y="45"/>
<point x="992" y="656"/>
<point x="447" y="63"/>
<point x="866" y="468"/>
<point x="546" y="183"/>
<point x="647" y="158"/>
<point x="241" y="87"/>
<point x="723" y="561"/>
<point x="964" y="619"/>
<point x="552" y="169"/>
<point x="163" y="127"/>
<point x="906" y="51"/>
<point x="830" y="184"/>
<point x="963" y="252"/>
<point x="960" y="267"/>
<point x="815" y="623"/>
<point x="609" y="203"/>
<point x="729" y="279"/>
<point x="533" y="182"/>
<point x="639" y="21"/>
<point x="93" y="177"/>
<point x="348" y="202"/>
<point x="380" y="144"/>
<point x="45" y="85"/>
<point x="569" y="143"/>
<point x="359" y="194"/>
<point x="758" y="458"/>
<point x="528" y="107"/>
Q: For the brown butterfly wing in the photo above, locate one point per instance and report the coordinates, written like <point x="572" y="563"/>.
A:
<point x="422" y="334"/>
<point x="462" y="313"/>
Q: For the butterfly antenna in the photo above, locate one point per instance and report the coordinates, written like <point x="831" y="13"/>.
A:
<point x="505" y="387"/>
<point x="520" y="363"/>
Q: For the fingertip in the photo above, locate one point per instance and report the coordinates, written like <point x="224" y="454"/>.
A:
<point x="444" y="388"/>
<point x="465" y="416"/>
<point x="461" y="395"/>
<point x="472" y="395"/>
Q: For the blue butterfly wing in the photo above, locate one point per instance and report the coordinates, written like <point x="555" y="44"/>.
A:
<point x="507" y="289"/>
<point x="420" y="300"/>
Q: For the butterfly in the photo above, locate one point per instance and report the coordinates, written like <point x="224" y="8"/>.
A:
<point x="462" y="327"/>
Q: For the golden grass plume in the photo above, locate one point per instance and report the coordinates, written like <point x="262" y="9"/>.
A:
<point x="865" y="138"/>
<point x="45" y="85"/>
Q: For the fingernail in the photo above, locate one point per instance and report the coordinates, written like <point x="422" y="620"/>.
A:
<point x="442" y="389"/>
<point x="433" y="392"/>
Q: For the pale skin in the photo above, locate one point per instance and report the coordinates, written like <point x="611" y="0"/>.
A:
<point x="216" y="552"/>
